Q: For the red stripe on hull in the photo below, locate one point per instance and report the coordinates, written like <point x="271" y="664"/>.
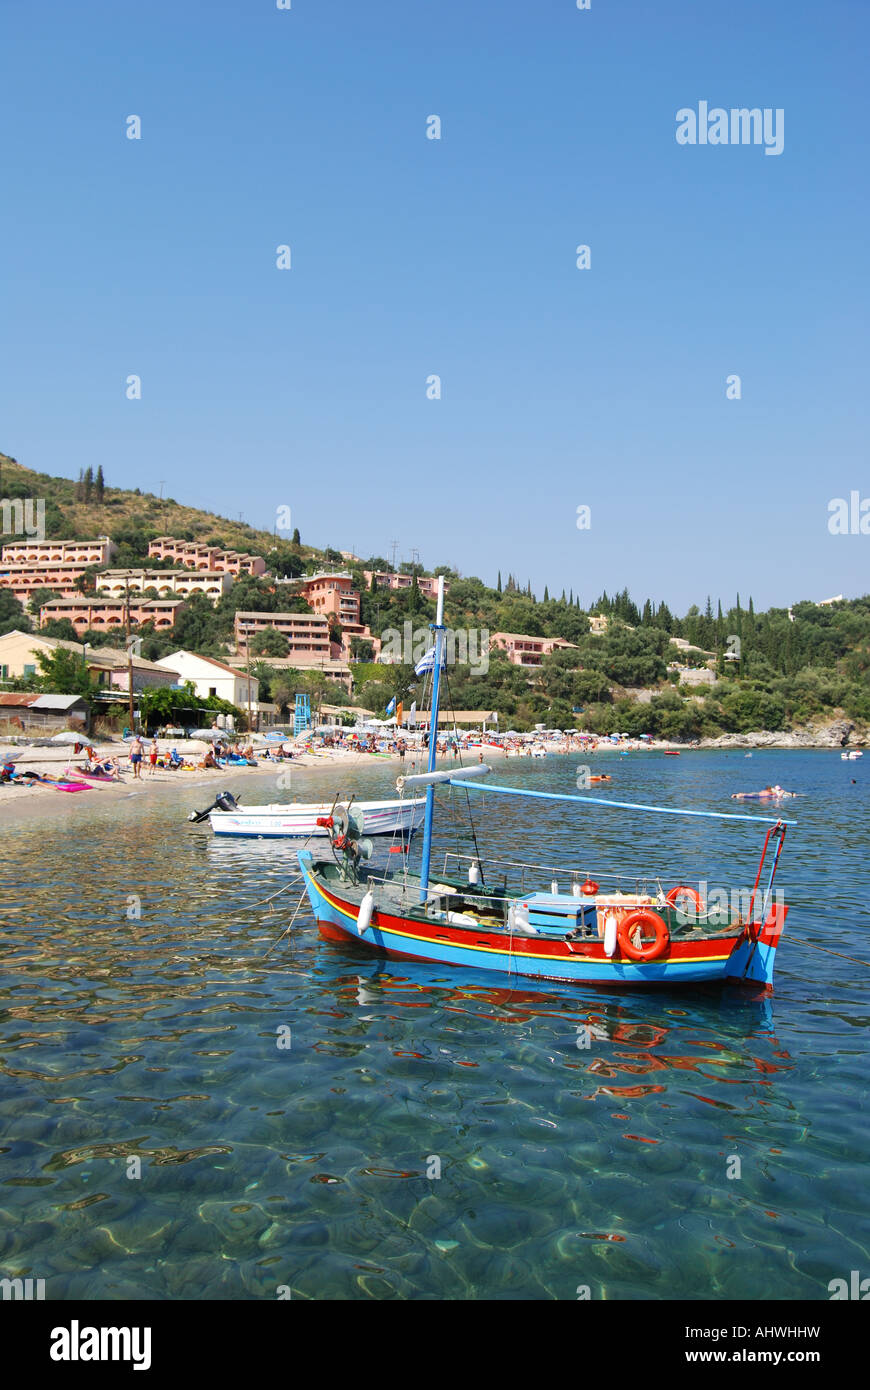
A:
<point x="521" y="945"/>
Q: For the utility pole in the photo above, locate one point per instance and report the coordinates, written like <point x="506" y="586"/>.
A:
<point x="395" y="552"/>
<point x="248" y="664"/>
<point x="129" y="653"/>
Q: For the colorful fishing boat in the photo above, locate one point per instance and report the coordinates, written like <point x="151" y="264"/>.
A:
<point x="572" y="929"/>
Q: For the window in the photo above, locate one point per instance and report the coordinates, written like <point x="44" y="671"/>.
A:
<point x="28" y="670"/>
<point x="212" y="690"/>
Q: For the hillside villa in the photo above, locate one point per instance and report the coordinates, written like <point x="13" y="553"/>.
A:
<point x="522" y="650"/>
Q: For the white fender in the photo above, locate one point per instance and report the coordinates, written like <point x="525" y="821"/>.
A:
<point x="610" y="934"/>
<point x="364" y="918"/>
<point x="462" y="919"/>
<point x="473" y="874"/>
<point x="518" y="920"/>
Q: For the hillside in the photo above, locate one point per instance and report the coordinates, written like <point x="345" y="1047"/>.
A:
<point x="641" y="670"/>
<point x="123" y="511"/>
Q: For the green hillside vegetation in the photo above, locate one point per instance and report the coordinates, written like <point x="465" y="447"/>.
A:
<point x="773" y="671"/>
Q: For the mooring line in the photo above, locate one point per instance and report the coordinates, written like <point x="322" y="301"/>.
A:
<point x="289" y="924"/>
<point x="796" y="941"/>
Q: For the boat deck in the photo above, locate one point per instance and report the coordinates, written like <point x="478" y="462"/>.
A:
<point x="557" y="916"/>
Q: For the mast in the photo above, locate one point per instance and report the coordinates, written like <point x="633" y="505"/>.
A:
<point x="433" y="741"/>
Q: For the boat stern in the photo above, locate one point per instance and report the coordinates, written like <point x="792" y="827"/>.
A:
<point x="751" y="961"/>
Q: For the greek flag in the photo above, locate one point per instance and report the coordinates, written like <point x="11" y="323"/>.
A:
<point x="427" y="662"/>
<point x="391" y="707"/>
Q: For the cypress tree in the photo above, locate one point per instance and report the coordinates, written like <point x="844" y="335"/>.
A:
<point x="498" y="585"/>
<point x="99" y="485"/>
<point x="88" y="484"/>
<point x="546" y="594"/>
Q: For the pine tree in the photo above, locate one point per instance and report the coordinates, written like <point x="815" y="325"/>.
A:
<point x="99" y="486"/>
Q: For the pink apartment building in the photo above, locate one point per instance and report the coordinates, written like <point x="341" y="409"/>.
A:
<point x="23" y="578"/>
<point x="191" y="555"/>
<point x="334" y="593"/>
<point x="97" y="552"/>
<point x="384" y="580"/>
<point x="307" y="634"/>
<point x="99" y="611"/>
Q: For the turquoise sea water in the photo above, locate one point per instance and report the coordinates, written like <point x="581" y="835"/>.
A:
<point x="314" y="1166"/>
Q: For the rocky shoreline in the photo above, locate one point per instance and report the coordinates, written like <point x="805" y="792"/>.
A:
<point x="841" y="733"/>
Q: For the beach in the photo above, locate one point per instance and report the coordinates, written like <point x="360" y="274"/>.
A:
<point x="269" y="779"/>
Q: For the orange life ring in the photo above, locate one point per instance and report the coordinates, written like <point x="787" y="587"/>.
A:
<point x="683" y="890"/>
<point x="643" y="918"/>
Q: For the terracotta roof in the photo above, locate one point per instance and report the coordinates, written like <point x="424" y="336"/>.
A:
<point x="103" y="601"/>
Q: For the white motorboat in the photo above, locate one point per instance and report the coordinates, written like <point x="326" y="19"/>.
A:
<point x="309" y="820"/>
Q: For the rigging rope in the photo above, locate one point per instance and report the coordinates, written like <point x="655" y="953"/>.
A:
<point x="467" y="802"/>
<point x="796" y="941"/>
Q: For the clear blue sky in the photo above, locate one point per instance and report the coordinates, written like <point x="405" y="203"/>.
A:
<point x="306" y="388"/>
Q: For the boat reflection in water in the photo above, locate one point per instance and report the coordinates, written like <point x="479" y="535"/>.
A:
<point x="624" y="1052"/>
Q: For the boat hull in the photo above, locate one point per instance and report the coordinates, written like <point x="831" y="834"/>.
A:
<point x="299" y="821"/>
<point x="746" y="957"/>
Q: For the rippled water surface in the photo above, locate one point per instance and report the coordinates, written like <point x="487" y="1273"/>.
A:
<point x="313" y="1166"/>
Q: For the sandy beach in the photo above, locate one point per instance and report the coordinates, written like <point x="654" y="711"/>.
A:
<point x="18" y="800"/>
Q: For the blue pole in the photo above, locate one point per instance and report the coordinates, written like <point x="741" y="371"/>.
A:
<point x="433" y="743"/>
<point x="622" y="805"/>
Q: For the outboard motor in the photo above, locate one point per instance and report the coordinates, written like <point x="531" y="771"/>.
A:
<point x="224" y="801"/>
